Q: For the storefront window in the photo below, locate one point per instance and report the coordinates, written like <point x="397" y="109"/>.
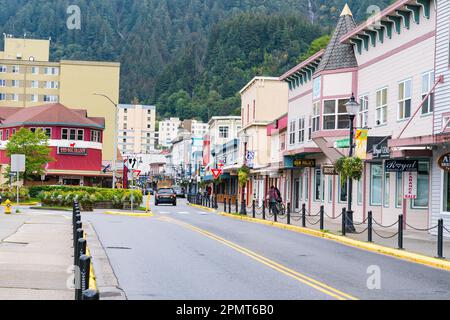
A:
<point x="317" y="185"/>
<point x="306" y="185"/>
<point x="342" y="191"/>
<point x="360" y="192"/>
<point x="398" y="190"/>
<point x="330" y="189"/>
<point x="423" y="186"/>
<point x="376" y="184"/>
<point x="387" y="189"/>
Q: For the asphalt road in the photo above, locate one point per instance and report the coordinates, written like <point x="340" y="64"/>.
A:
<point x="185" y="253"/>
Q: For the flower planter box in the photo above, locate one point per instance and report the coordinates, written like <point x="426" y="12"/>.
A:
<point x="87" y="207"/>
<point x="104" y="205"/>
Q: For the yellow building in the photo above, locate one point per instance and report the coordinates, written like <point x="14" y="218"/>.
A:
<point x="28" y="78"/>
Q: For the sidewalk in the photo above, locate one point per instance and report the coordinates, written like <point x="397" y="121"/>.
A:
<point x="35" y="256"/>
<point x="413" y="241"/>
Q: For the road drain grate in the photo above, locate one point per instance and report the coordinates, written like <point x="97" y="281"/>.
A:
<point x="118" y="248"/>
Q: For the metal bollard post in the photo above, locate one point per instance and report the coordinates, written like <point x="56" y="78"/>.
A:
<point x="322" y="212"/>
<point x="76" y="226"/>
<point x="304" y="215"/>
<point x="90" y="295"/>
<point x="80" y="251"/>
<point x="229" y="205"/>
<point x="264" y="210"/>
<point x="344" y="218"/>
<point x="275" y="216"/>
<point x="224" y="205"/>
<point x="369" y="226"/>
<point x="237" y="207"/>
<point x="400" y="232"/>
<point x="288" y="214"/>
<point x="440" y="249"/>
<point x="84" y="273"/>
<point x="254" y="209"/>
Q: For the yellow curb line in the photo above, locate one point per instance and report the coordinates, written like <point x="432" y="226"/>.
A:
<point x="92" y="277"/>
<point x="115" y="213"/>
<point x="409" y="256"/>
<point x="201" y="207"/>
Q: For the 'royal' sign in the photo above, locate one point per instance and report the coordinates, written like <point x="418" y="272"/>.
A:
<point x="401" y="166"/>
<point x="72" y="151"/>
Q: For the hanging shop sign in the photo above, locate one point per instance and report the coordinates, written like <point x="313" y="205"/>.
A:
<point x="378" y="147"/>
<point x="444" y="162"/>
<point x="329" y="171"/>
<point x="410" y="185"/>
<point x="401" y="166"/>
<point x="72" y="151"/>
<point x="304" y="163"/>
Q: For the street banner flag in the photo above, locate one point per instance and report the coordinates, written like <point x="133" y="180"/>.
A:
<point x="361" y="143"/>
<point x="216" y="173"/>
<point x="410" y="185"/>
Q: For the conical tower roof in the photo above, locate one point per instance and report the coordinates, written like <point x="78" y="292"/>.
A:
<point x="340" y="55"/>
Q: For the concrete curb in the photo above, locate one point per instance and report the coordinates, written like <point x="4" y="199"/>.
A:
<point x="116" y="213"/>
<point x="201" y="207"/>
<point x="404" y="255"/>
<point x="105" y="279"/>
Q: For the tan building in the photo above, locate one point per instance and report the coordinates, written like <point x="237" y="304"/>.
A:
<point x="28" y="78"/>
<point x="136" y="129"/>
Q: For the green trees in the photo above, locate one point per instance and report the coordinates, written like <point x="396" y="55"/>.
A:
<point x="34" y="145"/>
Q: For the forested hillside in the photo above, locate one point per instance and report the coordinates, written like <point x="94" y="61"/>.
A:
<point x="188" y="56"/>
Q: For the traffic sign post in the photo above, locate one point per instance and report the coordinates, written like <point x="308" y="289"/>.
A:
<point x="18" y="165"/>
<point x="216" y="173"/>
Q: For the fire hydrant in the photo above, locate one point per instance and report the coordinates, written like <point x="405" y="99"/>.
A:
<point x="8" y="207"/>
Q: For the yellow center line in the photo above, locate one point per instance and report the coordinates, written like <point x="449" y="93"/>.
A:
<point x="320" y="286"/>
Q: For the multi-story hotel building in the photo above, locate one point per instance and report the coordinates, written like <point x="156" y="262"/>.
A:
<point x="28" y="78"/>
<point x="168" y="131"/>
<point x="136" y="129"/>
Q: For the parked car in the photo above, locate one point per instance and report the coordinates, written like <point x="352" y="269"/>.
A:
<point x="180" y="192"/>
<point x="148" y="191"/>
<point x="165" y="195"/>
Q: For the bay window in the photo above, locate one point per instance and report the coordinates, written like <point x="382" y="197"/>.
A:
<point x="316" y="117"/>
<point x="301" y="130"/>
<point x="292" y="132"/>
<point x="335" y="115"/>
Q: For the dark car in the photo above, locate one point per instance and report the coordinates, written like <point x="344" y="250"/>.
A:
<point x="165" y="195"/>
<point x="179" y="191"/>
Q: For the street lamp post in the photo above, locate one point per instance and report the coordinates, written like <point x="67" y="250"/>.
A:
<point x="245" y="138"/>
<point x="116" y="129"/>
<point x="352" y="110"/>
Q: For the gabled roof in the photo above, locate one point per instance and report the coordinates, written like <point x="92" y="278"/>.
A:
<point x="311" y="62"/>
<point x="340" y="55"/>
<point x="50" y="114"/>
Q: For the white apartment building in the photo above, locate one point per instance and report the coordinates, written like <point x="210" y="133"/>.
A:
<point x="168" y="131"/>
<point x="136" y="133"/>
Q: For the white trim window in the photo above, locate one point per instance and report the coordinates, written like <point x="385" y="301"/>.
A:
<point x="80" y="134"/>
<point x="34" y="98"/>
<point x="14" y="97"/>
<point x="34" y="84"/>
<point x="51" y="98"/>
<point x="404" y="99"/>
<point x="72" y="134"/>
<point x="51" y="71"/>
<point x="398" y="190"/>
<point x="335" y="115"/>
<point x="15" y="83"/>
<point x="34" y="70"/>
<point x="3" y="69"/>
<point x="52" y="84"/>
<point x="315" y="125"/>
<point x="1" y="135"/>
<point x="381" y="106"/>
<point x="363" y="116"/>
<point x="15" y="69"/>
<point x="427" y="85"/>
<point x="2" y="96"/>
<point x="292" y="132"/>
<point x="376" y="184"/>
<point x="224" y="132"/>
<point x="301" y="130"/>
<point x="3" y="83"/>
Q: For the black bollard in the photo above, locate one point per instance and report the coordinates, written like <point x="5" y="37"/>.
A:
<point x="84" y="273"/>
<point x="344" y="225"/>
<point x="264" y="210"/>
<point x="91" y="295"/>
<point x="237" y="206"/>
<point x="440" y="250"/>
<point x="400" y="232"/>
<point x="304" y="215"/>
<point x="369" y="226"/>
<point x="322" y="217"/>
<point x="224" y="205"/>
<point x="288" y="216"/>
<point x="80" y="251"/>
<point x="275" y="216"/>
<point x="254" y="209"/>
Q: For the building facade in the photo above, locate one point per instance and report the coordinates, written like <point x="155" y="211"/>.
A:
<point x="168" y="131"/>
<point x="28" y="78"/>
<point x="75" y="141"/>
<point x="136" y="129"/>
